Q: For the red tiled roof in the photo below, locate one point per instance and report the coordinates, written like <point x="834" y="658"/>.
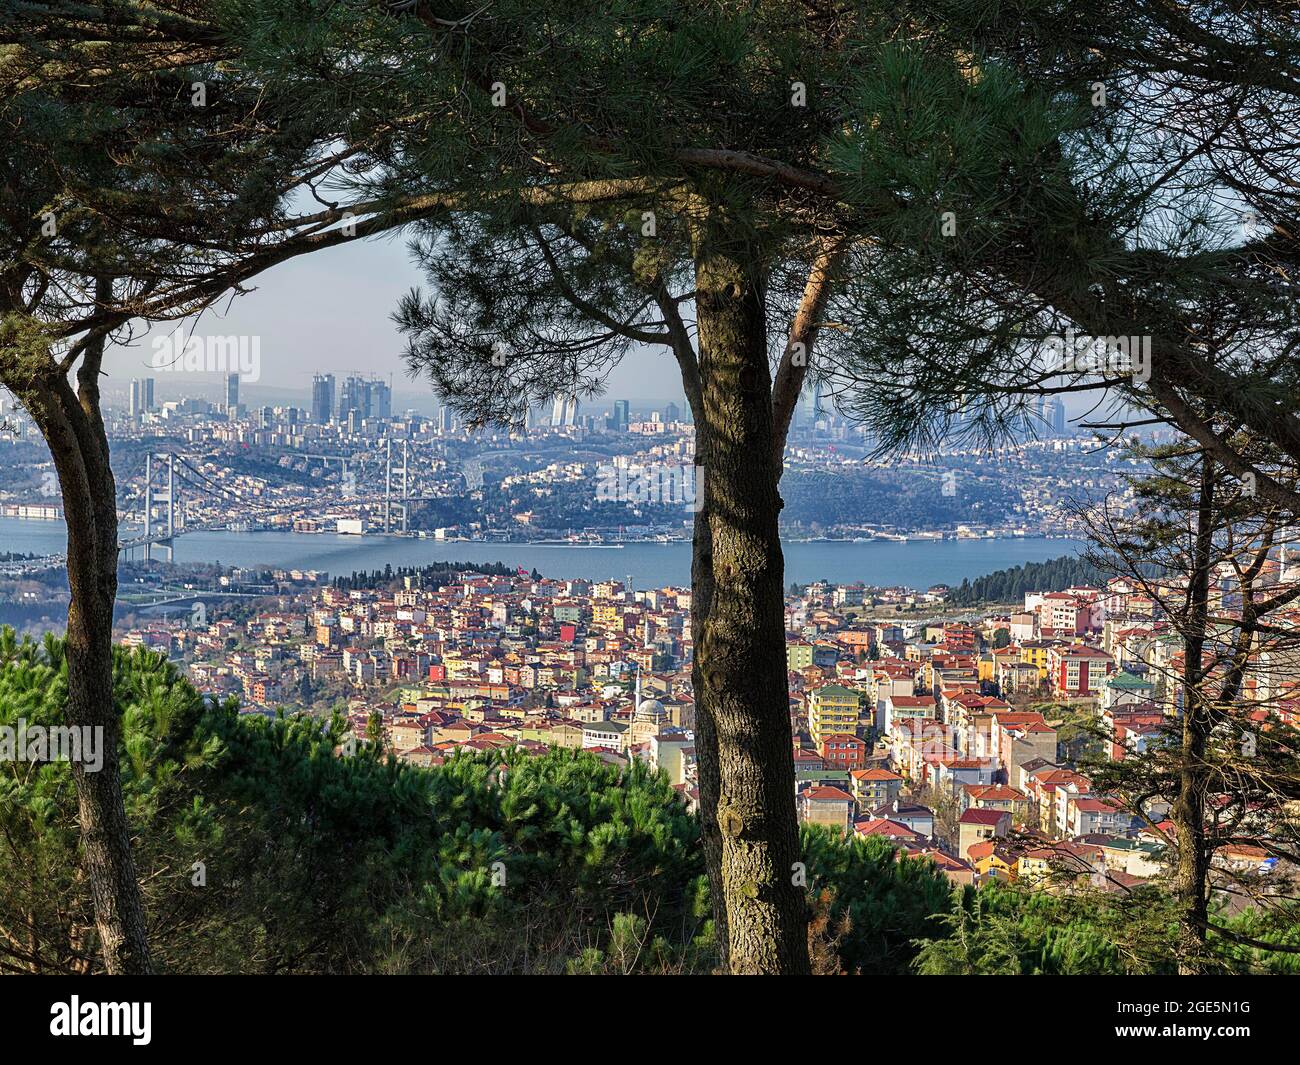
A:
<point x="994" y="792"/>
<point x="883" y="826"/>
<point x="1095" y="806"/>
<point x="874" y="774"/>
<point x="982" y="817"/>
<point x="944" y="861"/>
<point x="825" y="793"/>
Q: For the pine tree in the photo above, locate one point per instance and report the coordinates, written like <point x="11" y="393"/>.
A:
<point x="144" y="174"/>
<point x="1202" y="545"/>
<point x="719" y="182"/>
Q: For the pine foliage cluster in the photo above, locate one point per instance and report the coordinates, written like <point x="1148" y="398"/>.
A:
<point x="1010" y="585"/>
<point x="277" y="846"/>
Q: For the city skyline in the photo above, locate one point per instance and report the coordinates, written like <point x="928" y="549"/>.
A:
<point x="331" y="312"/>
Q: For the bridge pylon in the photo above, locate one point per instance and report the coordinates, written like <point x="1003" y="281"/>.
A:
<point x="397" y="488"/>
<point x="153" y="495"/>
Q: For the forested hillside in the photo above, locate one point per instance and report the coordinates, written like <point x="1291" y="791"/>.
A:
<point x="1010" y="585"/>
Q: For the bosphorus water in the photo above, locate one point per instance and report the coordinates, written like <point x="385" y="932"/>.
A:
<point x="914" y="563"/>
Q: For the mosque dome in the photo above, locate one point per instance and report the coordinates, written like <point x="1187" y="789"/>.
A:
<point x="651" y="710"/>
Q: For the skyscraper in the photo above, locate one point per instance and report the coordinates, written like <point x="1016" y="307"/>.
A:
<point x="366" y="398"/>
<point x="322" y="398"/>
<point x="820" y="415"/>
<point x="1044" y="418"/>
<point x="621" y="416"/>
<point x="564" y="411"/>
<point x="379" y="402"/>
<point x="1056" y="416"/>
<point x="141" y="396"/>
<point x="232" y="391"/>
<point x="354" y="399"/>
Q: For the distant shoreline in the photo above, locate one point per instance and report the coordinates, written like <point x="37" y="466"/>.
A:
<point x="651" y="563"/>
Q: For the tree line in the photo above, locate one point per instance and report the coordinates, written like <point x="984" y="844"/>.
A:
<point x="434" y="575"/>
<point x="1010" y="585"/>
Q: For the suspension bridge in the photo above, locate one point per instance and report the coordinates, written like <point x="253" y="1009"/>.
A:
<point x="172" y="480"/>
<point x="169" y="477"/>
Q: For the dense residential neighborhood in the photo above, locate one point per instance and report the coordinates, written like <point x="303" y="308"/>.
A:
<point x="941" y="736"/>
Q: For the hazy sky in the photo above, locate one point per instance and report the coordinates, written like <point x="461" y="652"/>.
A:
<point x="330" y="312"/>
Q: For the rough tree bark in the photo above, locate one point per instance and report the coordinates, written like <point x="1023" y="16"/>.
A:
<point x="1188" y="811"/>
<point x="73" y="428"/>
<point x="751" y="839"/>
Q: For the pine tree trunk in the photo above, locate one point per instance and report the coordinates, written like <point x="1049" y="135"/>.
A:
<point x="706" y="735"/>
<point x="1188" y="813"/>
<point x="743" y="738"/>
<point x="75" y="433"/>
<point x="1188" y="816"/>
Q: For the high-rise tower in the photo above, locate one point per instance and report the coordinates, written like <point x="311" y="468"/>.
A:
<point x="322" y="398"/>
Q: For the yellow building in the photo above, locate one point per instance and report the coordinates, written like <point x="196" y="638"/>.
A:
<point x="993" y="862"/>
<point x="833" y="711"/>
<point x="606" y="615"/>
<point x="1035" y="865"/>
<point x="1034" y="653"/>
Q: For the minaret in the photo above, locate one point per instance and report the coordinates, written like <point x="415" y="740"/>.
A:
<point x="636" y="699"/>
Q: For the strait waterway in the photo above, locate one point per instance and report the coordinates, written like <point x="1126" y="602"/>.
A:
<point x="914" y="563"/>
